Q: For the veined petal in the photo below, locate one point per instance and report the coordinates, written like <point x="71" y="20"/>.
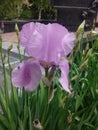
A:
<point x="68" y="43"/>
<point x="43" y="42"/>
<point x="31" y="37"/>
<point x="27" y="75"/>
<point x="64" y="67"/>
<point x="26" y="33"/>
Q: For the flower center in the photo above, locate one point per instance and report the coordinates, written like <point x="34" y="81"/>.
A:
<point x="46" y="65"/>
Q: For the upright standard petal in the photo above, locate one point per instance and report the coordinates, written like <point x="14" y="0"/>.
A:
<point x="43" y="42"/>
<point x="31" y="37"/>
<point x="26" y="33"/>
<point x="64" y="67"/>
<point x="27" y="75"/>
<point x="68" y="43"/>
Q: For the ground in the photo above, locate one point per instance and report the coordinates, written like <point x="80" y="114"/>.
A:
<point x="10" y="37"/>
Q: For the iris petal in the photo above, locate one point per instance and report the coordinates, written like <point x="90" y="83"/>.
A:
<point x="46" y="42"/>
<point x="27" y="75"/>
<point x="64" y="67"/>
<point x="68" y="43"/>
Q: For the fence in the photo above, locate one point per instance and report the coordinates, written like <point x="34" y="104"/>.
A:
<point x="9" y="26"/>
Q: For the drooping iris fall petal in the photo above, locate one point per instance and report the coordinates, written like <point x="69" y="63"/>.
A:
<point x="64" y="67"/>
<point x="27" y="75"/>
<point x="46" y="42"/>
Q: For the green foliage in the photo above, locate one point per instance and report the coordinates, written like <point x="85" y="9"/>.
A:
<point x="18" y="9"/>
<point x="75" y="111"/>
<point x="26" y="13"/>
<point x="49" y="13"/>
<point x="10" y="9"/>
<point x="42" y="4"/>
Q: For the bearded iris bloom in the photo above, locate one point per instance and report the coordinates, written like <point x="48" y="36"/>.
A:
<point x="48" y="45"/>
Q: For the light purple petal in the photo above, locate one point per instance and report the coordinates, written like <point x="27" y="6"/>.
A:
<point x="26" y="33"/>
<point x="32" y="39"/>
<point x="27" y="75"/>
<point x="64" y="67"/>
<point x="68" y="43"/>
<point x="43" y="42"/>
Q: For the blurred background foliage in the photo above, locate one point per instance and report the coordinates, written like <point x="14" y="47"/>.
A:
<point x="26" y="9"/>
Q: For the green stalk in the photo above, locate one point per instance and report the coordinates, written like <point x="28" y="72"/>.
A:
<point x="4" y="73"/>
<point x="18" y="37"/>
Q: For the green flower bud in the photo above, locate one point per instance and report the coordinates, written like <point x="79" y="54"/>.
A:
<point x="16" y="28"/>
<point x="10" y="48"/>
<point x="80" y="29"/>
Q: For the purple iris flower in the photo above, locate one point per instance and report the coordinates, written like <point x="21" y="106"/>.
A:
<point x="48" y="45"/>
